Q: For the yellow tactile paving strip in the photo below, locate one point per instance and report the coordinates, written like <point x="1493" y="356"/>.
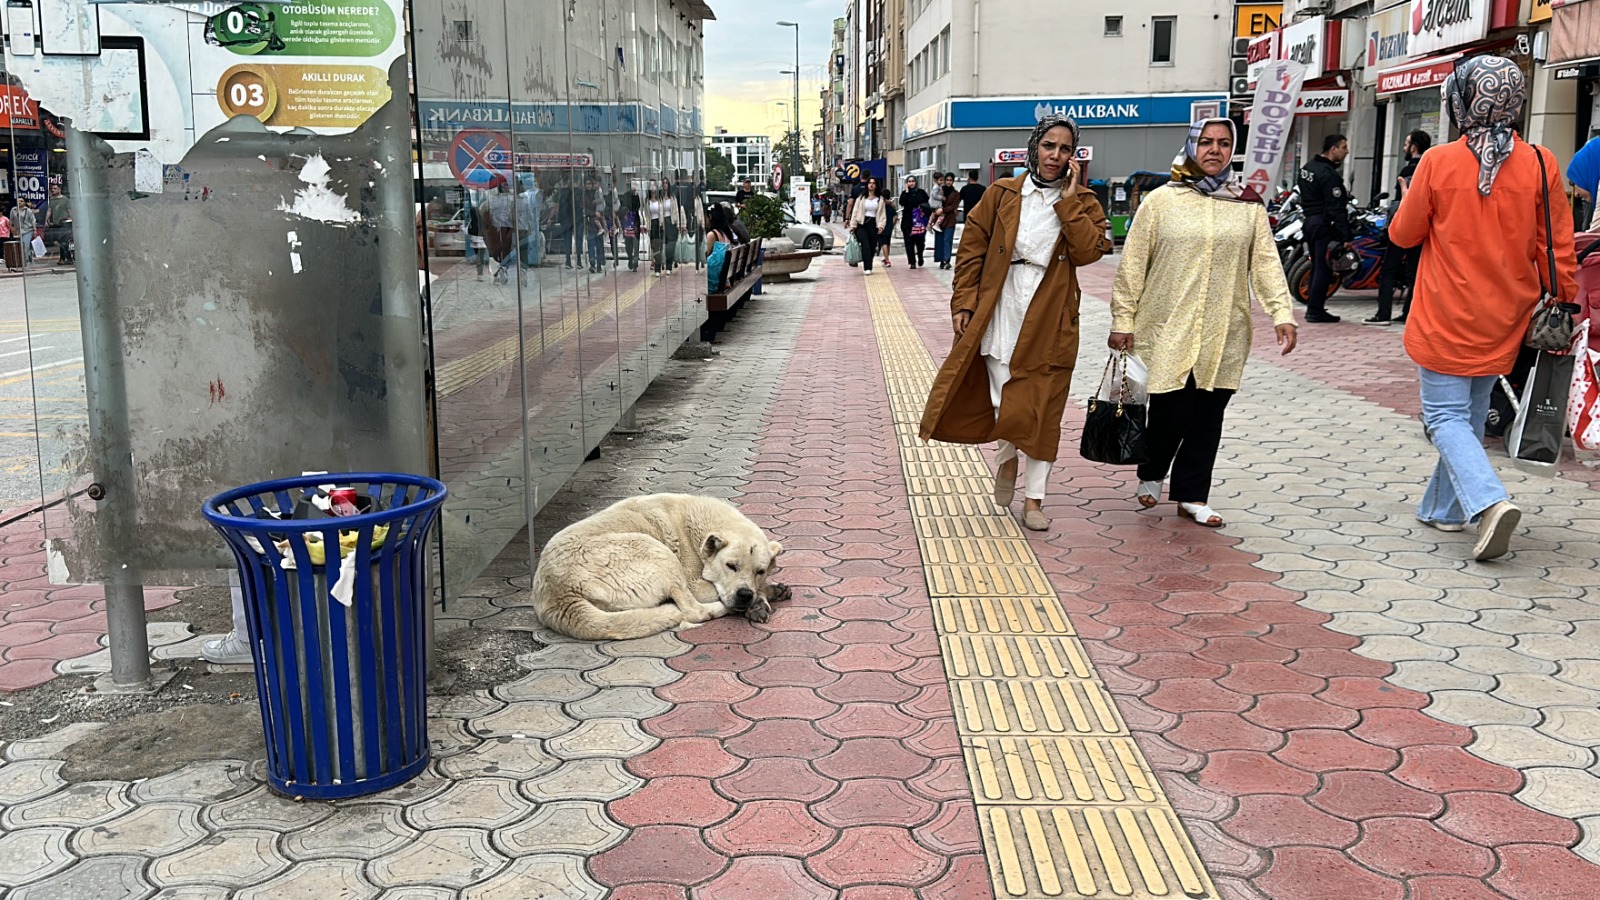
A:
<point x="459" y="374"/>
<point x="1067" y="804"/>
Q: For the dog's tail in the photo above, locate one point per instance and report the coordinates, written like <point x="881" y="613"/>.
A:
<point x="587" y="622"/>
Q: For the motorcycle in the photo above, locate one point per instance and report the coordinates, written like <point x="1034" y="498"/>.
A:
<point x="1369" y="244"/>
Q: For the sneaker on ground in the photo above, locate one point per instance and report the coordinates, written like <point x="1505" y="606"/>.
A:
<point x="1376" y="321"/>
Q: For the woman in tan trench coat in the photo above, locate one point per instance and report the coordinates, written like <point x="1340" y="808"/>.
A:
<point x="1015" y="314"/>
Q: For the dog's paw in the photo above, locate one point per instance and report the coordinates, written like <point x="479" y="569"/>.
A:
<point x="779" y="593"/>
<point x="759" y="611"/>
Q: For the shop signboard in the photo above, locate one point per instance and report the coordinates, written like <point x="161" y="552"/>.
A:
<point x="1425" y="73"/>
<point x="33" y="176"/>
<point x="1255" y="19"/>
<point x="1388" y="41"/>
<point x="1261" y="53"/>
<point x="1323" y="103"/>
<point x="1272" y="118"/>
<point x="18" y="111"/>
<point x="1441" y="24"/>
<point x="1088" y="112"/>
<point x="1539" y="12"/>
<point x="1305" y="43"/>
<point x="1018" y="156"/>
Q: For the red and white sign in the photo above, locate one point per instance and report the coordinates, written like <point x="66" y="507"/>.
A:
<point x="1272" y="115"/>
<point x="1323" y="103"/>
<point x="1306" y="43"/>
<point x="1014" y="157"/>
<point x="17" y="109"/>
<point x="1260" y="54"/>
<point x="1425" y="73"/>
<point x="1442" y="24"/>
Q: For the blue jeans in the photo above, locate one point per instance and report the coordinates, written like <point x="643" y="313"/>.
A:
<point x="943" y="243"/>
<point x="1464" y="484"/>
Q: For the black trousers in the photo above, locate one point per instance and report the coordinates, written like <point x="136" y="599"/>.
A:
<point x="1397" y="271"/>
<point x="1320" y="238"/>
<point x="867" y="237"/>
<point x="1182" y="436"/>
<point x="915" y="245"/>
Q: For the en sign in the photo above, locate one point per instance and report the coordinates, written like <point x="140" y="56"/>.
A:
<point x="1256" y="19"/>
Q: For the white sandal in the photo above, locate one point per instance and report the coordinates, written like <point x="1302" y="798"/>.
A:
<point x="1149" y="493"/>
<point x="1201" y="514"/>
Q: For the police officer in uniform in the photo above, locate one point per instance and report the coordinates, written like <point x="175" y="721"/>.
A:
<point x="1327" y="205"/>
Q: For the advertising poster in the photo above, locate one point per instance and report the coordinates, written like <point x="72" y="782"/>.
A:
<point x="1272" y="116"/>
<point x="32" y="177"/>
<point x="177" y="70"/>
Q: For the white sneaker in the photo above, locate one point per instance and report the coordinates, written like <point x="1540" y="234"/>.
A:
<point x="1494" y="531"/>
<point x="228" y="650"/>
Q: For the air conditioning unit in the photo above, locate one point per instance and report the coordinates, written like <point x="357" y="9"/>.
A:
<point x="1241" y="46"/>
<point x="1240" y="66"/>
<point x="1240" y="86"/>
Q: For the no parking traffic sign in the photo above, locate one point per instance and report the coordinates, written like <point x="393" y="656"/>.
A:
<point x="478" y="157"/>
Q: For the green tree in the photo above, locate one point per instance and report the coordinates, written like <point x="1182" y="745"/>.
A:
<point x="763" y="216"/>
<point x="719" y="171"/>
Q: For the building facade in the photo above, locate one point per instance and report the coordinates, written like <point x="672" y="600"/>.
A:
<point x="751" y="154"/>
<point x="980" y="74"/>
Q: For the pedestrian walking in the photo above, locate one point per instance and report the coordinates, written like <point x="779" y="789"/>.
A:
<point x="869" y="217"/>
<point x="664" y="217"/>
<point x="914" y="222"/>
<point x="886" y="236"/>
<point x="1196" y="251"/>
<point x="971" y="193"/>
<point x="500" y="229"/>
<point x="1326" y="202"/>
<point x="945" y="218"/>
<point x="24" y="222"/>
<point x="1014" y="309"/>
<point x="1398" y="268"/>
<point x="1477" y="207"/>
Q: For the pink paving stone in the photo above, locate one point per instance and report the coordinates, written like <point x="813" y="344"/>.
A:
<point x="1182" y="695"/>
<point x="785" y="703"/>
<point x="1229" y="651"/>
<point x="1356" y="795"/>
<point x="1256" y="678"/>
<point x="672" y="801"/>
<point x="1287" y="712"/>
<point x="791" y="671"/>
<point x="946" y="779"/>
<point x="706" y="686"/>
<point x="868" y="658"/>
<point x="649" y="892"/>
<point x="782" y="737"/>
<point x="877" y="892"/>
<point x="1543" y="872"/>
<point x="776" y="778"/>
<point x="872" y="757"/>
<point x="1446" y="769"/>
<point x="764" y="878"/>
<point x="57" y="647"/>
<point x="1241" y="772"/>
<point x="874" y="801"/>
<point x="1316" y="873"/>
<point x="698" y="720"/>
<point x="868" y="687"/>
<point x="1406" y="847"/>
<point x="26" y="673"/>
<point x="927" y="671"/>
<point x="1370" y="693"/>
<point x="872" y="609"/>
<point x="932" y="702"/>
<point x="870" y="720"/>
<point x="777" y="827"/>
<point x="876" y="856"/>
<point x="1451" y="887"/>
<point x="1324" y="751"/>
<point x="684" y="756"/>
<point x="937" y="738"/>
<point x="1275" y="820"/>
<point x="1489" y="819"/>
<point x="93" y="623"/>
<point x="673" y="854"/>
<point x="716" y="657"/>
<point x="1402" y="728"/>
<point x="792" y="643"/>
<point x="1331" y="663"/>
<point x="1160" y="666"/>
<point x="954" y="830"/>
<point x="21" y="634"/>
<point x="966" y="879"/>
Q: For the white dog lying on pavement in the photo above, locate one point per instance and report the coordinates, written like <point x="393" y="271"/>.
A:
<point x="648" y="564"/>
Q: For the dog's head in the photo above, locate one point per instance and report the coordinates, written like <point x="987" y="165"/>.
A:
<point x="739" y="566"/>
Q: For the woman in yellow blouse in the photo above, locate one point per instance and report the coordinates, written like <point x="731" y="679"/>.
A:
<point x="1197" y="249"/>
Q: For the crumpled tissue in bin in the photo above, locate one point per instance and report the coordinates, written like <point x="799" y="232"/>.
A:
<point x="344" y="588"/>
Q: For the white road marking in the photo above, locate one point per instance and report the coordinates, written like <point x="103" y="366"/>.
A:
<point x="37" y="369"/>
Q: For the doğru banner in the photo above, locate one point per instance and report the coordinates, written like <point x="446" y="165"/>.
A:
<point x="1271" y="116"/>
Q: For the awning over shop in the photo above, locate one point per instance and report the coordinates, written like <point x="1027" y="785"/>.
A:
<point x="1423" y="73"/>
<point x="1574" y="31"/>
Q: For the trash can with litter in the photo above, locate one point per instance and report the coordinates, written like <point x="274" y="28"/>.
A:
<point x="338" y="639"/>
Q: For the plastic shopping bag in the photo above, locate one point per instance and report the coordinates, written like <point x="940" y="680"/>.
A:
<point x="1138" y="379"/>
<point x="1536" y="435"/>
<point x="38" y="246"/>
<point x="1583" y="400"/>
<point x="852" y="252"/>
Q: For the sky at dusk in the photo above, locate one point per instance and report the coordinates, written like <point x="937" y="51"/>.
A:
<point x="745" y="49"/>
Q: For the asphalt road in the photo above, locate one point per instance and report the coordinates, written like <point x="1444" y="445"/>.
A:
<point x="42" y="407"/>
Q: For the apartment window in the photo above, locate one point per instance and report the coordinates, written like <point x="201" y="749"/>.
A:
<point x="945" y="62"/>
<point x="463" y="31"/>
<point x="1161" y="38"/>
<point x="1113" y="26"/>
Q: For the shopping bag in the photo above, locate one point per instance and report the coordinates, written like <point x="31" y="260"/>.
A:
<point x="1113" y="430"/>
<point x="1583" y="397"/>
<point x="38" y="246"/>
<point x="1133" y="377"/>
<point x="1536" y="435"/>
<point x="852" y="252"/>
<point x="685" y="251"/>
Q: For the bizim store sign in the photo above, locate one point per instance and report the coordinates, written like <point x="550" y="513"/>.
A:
<point x="1088" y="112"/>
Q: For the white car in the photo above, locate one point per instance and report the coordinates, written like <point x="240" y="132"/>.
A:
<point x="806" y="235"/>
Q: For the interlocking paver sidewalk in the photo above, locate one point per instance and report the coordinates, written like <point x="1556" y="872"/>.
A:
<point x="1332" y="700"/>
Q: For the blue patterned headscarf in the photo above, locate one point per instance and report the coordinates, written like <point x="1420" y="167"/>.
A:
<point x="1485" y="94"/>
<point x="1186" y="169"/>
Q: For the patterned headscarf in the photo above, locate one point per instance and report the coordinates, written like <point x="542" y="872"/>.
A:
<point x="1486" y="94"/>
<point x="1186" y="169"/>
<point x="1045" y="124"/>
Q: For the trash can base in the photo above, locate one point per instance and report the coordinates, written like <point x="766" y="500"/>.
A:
<point x="364" y="787"/>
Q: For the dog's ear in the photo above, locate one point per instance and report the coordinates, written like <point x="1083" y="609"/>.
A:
<point x="775" y="548"/>
<point x="713" y="545"/>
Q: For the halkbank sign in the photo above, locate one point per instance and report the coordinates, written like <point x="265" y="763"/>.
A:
<point x="1088" y="112"/>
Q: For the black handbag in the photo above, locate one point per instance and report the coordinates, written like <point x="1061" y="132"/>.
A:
<point x="1551" y="327"/>
<point x="1113" y="430"/>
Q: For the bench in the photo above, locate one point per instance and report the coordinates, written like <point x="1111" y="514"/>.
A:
<point x="740" y="277"/>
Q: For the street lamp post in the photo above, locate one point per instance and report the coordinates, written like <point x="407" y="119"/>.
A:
<point x="794" y="136"/>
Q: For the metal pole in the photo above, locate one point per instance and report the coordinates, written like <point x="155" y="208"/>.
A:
<point x="90" y="159"/>
<point x="794" y="140"/>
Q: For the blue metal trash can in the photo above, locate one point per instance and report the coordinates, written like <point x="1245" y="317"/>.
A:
<point x="343" y="688"/>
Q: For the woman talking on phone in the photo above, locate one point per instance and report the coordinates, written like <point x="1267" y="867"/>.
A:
<point x="1015" y="314"/>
